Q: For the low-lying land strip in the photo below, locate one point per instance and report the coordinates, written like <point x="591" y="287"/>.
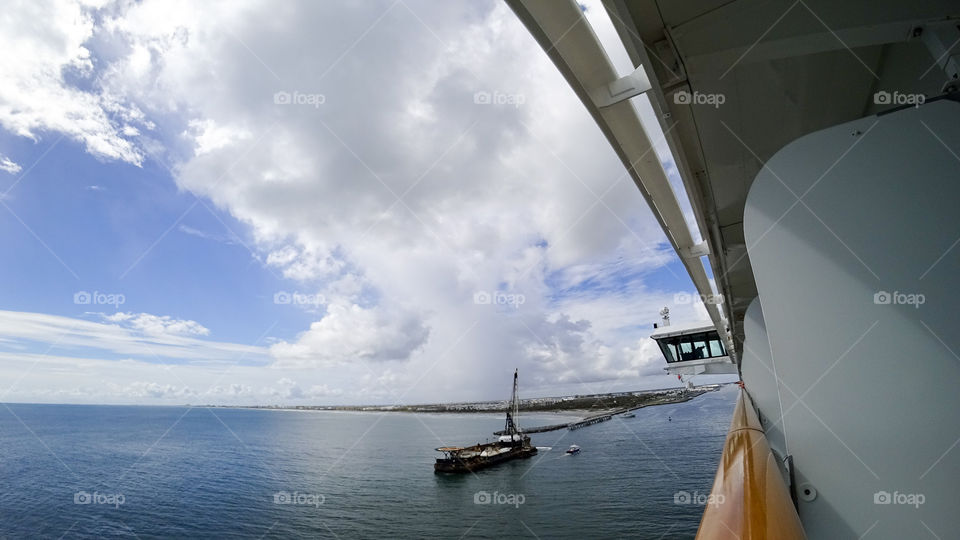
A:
<point x="617" y="406"/>
<point x="595" y="408"/>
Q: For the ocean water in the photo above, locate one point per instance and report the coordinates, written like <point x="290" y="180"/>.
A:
<point x="71" y="471"/>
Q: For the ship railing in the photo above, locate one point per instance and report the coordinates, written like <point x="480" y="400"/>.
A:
<point x="749" y="499"/>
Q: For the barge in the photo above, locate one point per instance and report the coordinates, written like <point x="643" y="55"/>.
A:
<point x="513" y="443"/>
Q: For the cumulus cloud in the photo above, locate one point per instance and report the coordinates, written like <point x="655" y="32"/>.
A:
<point x="307" y="264"/>
<point x="387" y="186"/>
<point x="351" y="333"/>
<point x="234" y="390"/>
<point x="141" y="389"/>
<point x="208" y="136"/>
<point x="36" y="94"/>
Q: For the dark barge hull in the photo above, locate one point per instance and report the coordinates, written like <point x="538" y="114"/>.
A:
<point x="457" y="465"/>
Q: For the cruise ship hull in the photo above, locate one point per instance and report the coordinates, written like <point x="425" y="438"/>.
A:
<point x="818" y="147"/>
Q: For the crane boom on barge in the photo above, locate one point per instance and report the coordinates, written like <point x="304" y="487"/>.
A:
<point x="512" y="444"/>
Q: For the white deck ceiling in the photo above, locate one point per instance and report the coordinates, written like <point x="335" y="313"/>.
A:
<point x="784" y="69"/>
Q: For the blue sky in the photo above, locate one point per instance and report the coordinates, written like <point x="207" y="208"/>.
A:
<point x="115" y="228"/>
<point x="325" y="246"/>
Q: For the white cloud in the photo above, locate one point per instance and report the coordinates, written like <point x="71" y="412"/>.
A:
<point x="349" y="333"/>
<point x="141" y="389"/>
<point x="396" y="199"/>
<point x="138" y="335"/>
<point x="306" y="264"/>
<point x="289" y="390"/>
<point x="157" y="324"/>
<point x="52" y="378"/>
<point x="8" y="165"/>
<point x="208" y="136"/>
<point x="35" y="95"/>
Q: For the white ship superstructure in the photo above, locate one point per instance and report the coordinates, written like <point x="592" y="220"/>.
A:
<point x="818" y="143"/>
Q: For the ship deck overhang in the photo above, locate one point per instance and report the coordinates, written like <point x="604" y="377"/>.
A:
<point x="784" y="69"/>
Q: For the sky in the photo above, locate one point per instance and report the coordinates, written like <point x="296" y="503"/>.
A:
<point x="314" y="203"/>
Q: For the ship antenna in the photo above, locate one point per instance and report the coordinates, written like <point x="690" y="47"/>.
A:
<point x="665" y="313"/>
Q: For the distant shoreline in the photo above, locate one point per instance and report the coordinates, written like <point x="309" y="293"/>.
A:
<point x="586" y="406"/>
<point x="566" y="406"/>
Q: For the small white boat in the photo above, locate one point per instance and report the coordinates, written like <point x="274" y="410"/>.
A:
<point x="629" y="415"/>
<point x="574" y="449"/>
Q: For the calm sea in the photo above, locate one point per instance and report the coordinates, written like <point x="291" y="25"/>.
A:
<point x="149" y="472"/>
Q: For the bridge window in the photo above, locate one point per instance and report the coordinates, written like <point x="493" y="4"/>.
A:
<point x="696" y="346"/>
<point x="669" y="350"/>
<point x="716" y="348"/>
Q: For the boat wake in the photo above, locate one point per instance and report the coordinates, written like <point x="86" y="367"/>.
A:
<point x="544" y="448"/>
